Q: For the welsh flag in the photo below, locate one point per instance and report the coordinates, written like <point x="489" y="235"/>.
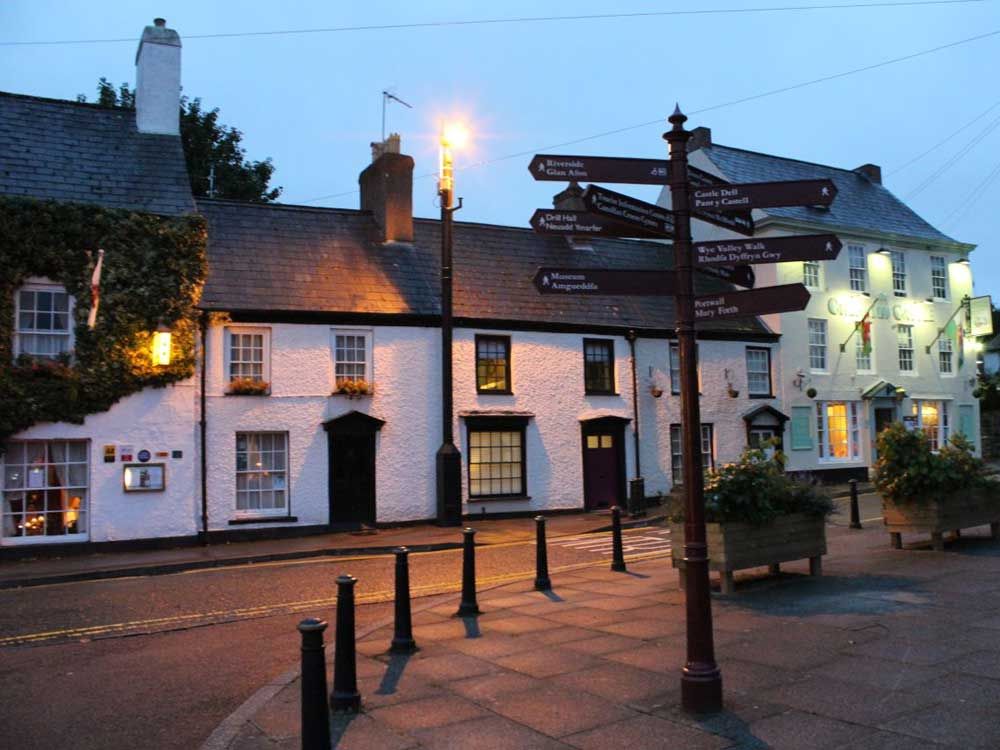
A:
<point x="956" y="333"/>
<point x="866" y="336"/>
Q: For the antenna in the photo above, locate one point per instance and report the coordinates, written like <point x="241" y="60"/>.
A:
<point x="386" y="96"/>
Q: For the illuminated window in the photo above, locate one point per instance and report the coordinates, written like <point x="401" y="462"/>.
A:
<point x="262" y="473"/>
<point x="898" y="273"/>
<point x="598" y="366"/>
<point x="904" y="339"/>
<point x="352" y="353"/>
<point x="496" y="462"/>
<point x="248" y="354"/>
<point x="43" y="322"/>
<point x="939" y="278"/>
<point x="677" y="451"/>
<point x="817" y="344"/>
<point x="493" y="364"/>
<point x="932" y="418"/>
<point x="758" y="371"/>
<point x="837" y="430"/>
<point x="858" y="266"/>
<point x="810" y="274"/>
<point x="45" y="485"/>
<point x="945" y="356"/>
<point x="862" y="359"/>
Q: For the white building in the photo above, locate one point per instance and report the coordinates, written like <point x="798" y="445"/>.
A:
<point x="908" y="277"/>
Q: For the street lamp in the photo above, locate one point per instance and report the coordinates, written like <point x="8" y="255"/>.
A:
<point x="449" y="460"/>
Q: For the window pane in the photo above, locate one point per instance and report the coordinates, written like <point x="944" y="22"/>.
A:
<point x="491" y="364"/>
<point x="495" y="464"/>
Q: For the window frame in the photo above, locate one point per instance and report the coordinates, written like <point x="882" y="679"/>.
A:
<point x="852" y="432"/>
<point x="950" y="351"/>
<point x="858" y="354"/>
<point x="813" y="265"/>
<point x="899" y="255"/>
<point x="944" y="429"/>
<point x="825" y="344"/>
<point x="40" y="284"/>
<point x="242" y="513"/>
<point x="859" y="284"/>
<point x="85" y="507"/>
<point x="369" y="362"/>
<point x="677" y="457"/>
<point x="506" y="339"/>
<point x="265" y="332"/>
<point x="770" y="378"/>
<point x="496" y="424"/>
<point x="900" y="327"/>
<point x="943" y="278"/>
<point x="609" y="348"/>
<point x="672" y="360"/>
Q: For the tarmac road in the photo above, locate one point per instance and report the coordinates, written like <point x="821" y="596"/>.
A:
<point x="158" y="662"/>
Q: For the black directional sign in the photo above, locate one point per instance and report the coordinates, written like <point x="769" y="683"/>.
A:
<point x="769" y="299"/>
<point x="767" y="250"/>
<point x="739" y="275"/>
<point x="604" y="281"/>
<point x="599" y="169"/>
<point x="763" y="195"/>
<point x="740" y="222"/>
<point x="629" y="210"/>
<point x="557" y="221"/>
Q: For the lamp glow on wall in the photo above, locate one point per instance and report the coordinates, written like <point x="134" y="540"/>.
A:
<point x="161" y="346"/>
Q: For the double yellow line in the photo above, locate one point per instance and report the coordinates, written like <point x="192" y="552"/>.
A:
<point x="179" y="622"/>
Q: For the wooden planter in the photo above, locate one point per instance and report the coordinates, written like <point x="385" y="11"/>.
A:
<point x="934" y="517"/>
<point x="735" y="546"/>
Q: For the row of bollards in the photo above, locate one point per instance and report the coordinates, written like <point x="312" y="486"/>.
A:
<point x="345" y="696"/>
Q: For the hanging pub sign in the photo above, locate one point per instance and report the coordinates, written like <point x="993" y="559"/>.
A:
<point x="981" y="316"/>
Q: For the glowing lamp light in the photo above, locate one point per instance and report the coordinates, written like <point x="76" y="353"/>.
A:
<point x="454" y="135"/>
<point x="161" y="346"/>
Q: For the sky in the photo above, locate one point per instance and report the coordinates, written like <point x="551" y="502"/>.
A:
<point x="313" y="102"/>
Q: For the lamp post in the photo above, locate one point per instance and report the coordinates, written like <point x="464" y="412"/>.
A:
<point x="449" y="460"/>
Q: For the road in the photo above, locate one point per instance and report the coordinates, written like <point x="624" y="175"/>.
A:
<point x="158" y="662"/>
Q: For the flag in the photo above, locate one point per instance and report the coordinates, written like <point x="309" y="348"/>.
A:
<point x="95" y="290"/>
<point x="961" y="345"/>
<point x="866" y="336"/>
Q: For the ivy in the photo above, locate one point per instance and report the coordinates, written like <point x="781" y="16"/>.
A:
<point x="153" y="271"/>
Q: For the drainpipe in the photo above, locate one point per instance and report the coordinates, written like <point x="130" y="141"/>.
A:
<point x="637" y="485"/>
<point x="203" y="426"/>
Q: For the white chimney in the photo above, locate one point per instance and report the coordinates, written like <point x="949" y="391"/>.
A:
<point x="158" y="80"/>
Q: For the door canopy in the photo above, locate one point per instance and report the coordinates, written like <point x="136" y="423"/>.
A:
<point x="353" y="423"/>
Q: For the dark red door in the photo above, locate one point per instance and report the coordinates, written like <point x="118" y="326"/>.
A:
<point x="601" y="478"/>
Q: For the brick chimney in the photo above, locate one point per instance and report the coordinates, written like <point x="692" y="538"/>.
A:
<point x="872" y="171"/>
<point x="387" y="190"/>
<point x="158" y="80"/>
<point x="570" y="199"/>
<point x="700" y="137"/>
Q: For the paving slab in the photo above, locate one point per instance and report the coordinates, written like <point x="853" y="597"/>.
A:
<point x="490" y="733"/>
<point x="558" y="711"/>
<point x="645" y="731"/>
<point x="795" y="730"/>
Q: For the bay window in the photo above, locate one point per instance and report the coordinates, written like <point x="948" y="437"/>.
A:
<point x="837" y="430"/>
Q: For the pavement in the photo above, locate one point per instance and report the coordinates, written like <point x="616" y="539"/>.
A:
<point x="888" y="649"/>
<point x="423" y="537"/>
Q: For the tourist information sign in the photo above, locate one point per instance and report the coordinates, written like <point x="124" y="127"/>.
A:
<point x="580" y="223"/>
<point x="769" y="299"/>
<point x="628" y="210"/>
<point x="604" y="281"/>
<point x="767" y="250"/>
<point x="739" y="275"/>
<point x="740" y="222"/>
<point x="763" y="195"/>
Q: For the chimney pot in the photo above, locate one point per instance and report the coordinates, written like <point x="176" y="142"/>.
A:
<point x="160" y="22"/>
<point x="570" y="199"/>
<point x="387" y="190"/>
<point x="158" y="80"/>
<point x="872" y="171"/>
<point x="700" y="137"/>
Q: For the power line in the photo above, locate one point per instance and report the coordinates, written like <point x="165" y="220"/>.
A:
<point x="955" y="158"/>
<point x="971" y="197"/>
<point x="660" y="120"/>
<point x="940" y="143"/>
<point x="519" y="19"/>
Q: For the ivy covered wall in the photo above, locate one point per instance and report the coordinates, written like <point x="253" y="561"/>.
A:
<point x="153" y="271"/>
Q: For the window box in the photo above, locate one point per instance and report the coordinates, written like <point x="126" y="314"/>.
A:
<point x="354" y="389"/>
<point x="248" y="387"/>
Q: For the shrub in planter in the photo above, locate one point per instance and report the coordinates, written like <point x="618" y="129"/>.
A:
<point x="248" y="387"/>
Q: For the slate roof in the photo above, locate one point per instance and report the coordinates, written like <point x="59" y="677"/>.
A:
<point x="860" y="203"/>
<point x="68" y="151"/>
<point x="271" y="257"/>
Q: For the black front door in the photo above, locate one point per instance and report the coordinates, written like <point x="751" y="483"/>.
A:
<point x="352" y="479"/>
<point x="883" y="418"/>
<point x="603" y="463"/>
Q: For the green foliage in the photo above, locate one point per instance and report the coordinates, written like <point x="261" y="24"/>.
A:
<point x="206" y="144"/>
<point x="908" y="470"/>
<point x="988" y="392"/>
<point x="756" y="490"/>
<point x="153" y="271"/>
<point x="248" y="387"/>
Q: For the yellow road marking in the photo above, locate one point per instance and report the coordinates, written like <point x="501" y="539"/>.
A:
<point x="267" y="610"/>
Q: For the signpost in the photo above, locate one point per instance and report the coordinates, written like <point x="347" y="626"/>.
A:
<point x="569" y="223"/>
<point x="763" y="195"/>
<point x="739" y="275"/>
<point x="604" y="281"/>
<point x="769" y="250"/>
<point x="770" y="299"/>
<point x="599" y="169"/>
<point x="628" y="210"/>
<point x="740" y="222"/>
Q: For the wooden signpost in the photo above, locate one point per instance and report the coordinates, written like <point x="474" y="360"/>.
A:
<point x="694" y="194"/>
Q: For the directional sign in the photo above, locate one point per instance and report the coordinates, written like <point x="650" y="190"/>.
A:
<point x="604" y="281"/>
<point x="769" y="250"/>
<point x="739" y="275"/>
<point x="557" y="221"/>
<point x="629" y="210"/>
<point x="600" y="169"/>
<point x="740" y="222"/>
<point x="763" y="195"/>
<point x="770" y="299"/>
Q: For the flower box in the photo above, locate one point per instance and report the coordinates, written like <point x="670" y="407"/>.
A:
<point x="354" y="389"/>
<point x="934" y="516"/>
<point x="248" y="387"/>
<point x="736" y="546"/>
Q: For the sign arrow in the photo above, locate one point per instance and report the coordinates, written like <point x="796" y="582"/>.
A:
<point x="763" y="195"/>
<point x="740" y="222"/>
<point x="769" y="299"/>
<point x="604" y="281"/>
<point x="628" y="210"/>
<point x="767" y="250"/>
<point x="569" y="223"/>
<point x="739" y="275"/>
<point x="600" y="169"/>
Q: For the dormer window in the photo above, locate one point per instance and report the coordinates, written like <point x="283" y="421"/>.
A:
<point x="42" y="321"/>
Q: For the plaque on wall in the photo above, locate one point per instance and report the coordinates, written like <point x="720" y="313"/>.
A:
<point x="144" y="478"/>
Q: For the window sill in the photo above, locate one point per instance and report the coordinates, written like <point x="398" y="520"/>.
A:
<point x="601" y="393"/>
<point x="761" y="395"/>
<point x="262" y="519"/>
<point x="494" y="393"/>
<point x="497" y="498"/>
<point x="258" y="395"/>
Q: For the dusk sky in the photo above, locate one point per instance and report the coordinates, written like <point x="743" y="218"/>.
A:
<point x="312" y="102"/>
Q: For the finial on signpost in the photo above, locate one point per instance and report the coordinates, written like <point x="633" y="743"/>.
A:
<point x="678" y="118"/>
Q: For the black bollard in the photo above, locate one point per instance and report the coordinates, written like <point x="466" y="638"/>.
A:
<point x="469" y="606"/>
<point x="617" y="554"/>
<point x="542" y="581"/>
<point x="855" y="511"/>
<point x="315" y="717"/>
<point x="402" y="638"/>
<point x="345" y="695"/>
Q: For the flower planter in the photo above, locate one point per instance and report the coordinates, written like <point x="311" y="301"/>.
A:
<point x="735" y="546"/>
<point x="962" y="511"/>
